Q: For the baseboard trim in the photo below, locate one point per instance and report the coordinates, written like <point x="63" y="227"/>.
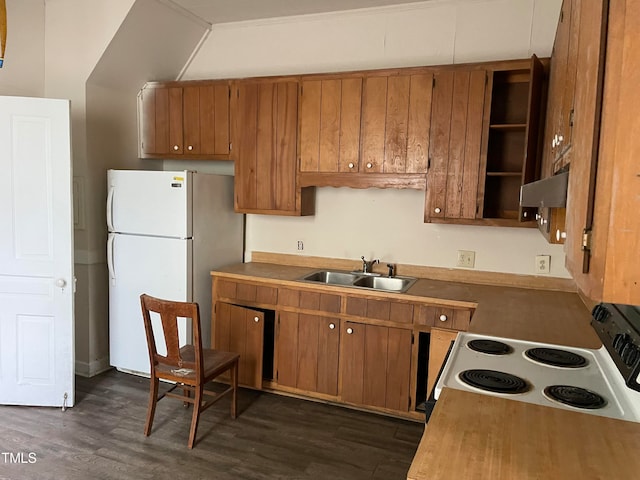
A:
<point x="92" y="369"/>
<point x="434" y="273"/>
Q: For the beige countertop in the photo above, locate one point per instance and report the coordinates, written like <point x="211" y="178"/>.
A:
<point x="475" y="436"/>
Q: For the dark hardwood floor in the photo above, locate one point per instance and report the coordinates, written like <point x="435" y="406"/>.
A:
<point x="273" y="437"/>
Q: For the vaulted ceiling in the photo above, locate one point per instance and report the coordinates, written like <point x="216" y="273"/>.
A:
<point x="224" y="11"/>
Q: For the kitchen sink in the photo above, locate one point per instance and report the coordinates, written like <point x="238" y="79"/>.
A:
<point x="360" y="280"/>
<point x="390" y="284"/>
<point x="331" y="278"/>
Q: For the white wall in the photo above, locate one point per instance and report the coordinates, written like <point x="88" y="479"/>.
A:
<point x="23" y="70"/>
<point x="387" y="223"/>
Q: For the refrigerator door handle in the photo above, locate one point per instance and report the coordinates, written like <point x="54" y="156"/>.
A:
<point x="110" y="208"/>
<point x="112" y="271"/>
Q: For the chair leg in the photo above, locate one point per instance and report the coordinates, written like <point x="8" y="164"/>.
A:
<point x="187" y="393"/>
<point x="234" y="393"/>
<point x="151" y="409"/>
<point x="196" y="414"/>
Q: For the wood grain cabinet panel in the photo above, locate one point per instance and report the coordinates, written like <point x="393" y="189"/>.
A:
<point x="439" y="343"/>
<point x="455" y="146"/>
<point x="396" y="115"/>
<point x="241" y="329"/>
<point x="307" y="349"/>
<point x="380" y="309"/>
<point x="265" y="135"/>
<point x="330" y="125"/>
<point x="185" y="120"/>
<point x="375" y="365"/>
<point x="443" y="317"/>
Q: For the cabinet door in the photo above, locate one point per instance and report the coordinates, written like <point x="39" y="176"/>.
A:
<point x="206" y="119"/>
<point x="375" y="365"/>
<point x="456" y="138"/>
<point x="241" y="330"/>
<point x="330" y="125"/>
<point x="396" y="116"/>
<point x="266" y="139"/>
<point x="438" y="347"/>
<point x="307" y="352"/>
<point x="161" y="120"/>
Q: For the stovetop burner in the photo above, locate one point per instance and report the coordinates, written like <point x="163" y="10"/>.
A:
<point x="575" y="396"/>
<point x="494" y="381"/>
<point x="556" y="357"/>
<point x="491" y="347"/>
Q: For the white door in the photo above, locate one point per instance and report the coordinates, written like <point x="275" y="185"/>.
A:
<point x="36" y="253"/>
<point x="157" y="266"/>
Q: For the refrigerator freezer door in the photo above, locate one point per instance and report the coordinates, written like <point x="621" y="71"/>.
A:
<point x="157" y="266"/>
<point x="149" y="203"/>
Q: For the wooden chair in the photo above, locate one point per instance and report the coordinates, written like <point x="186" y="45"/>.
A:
<point x="190" y="367"/>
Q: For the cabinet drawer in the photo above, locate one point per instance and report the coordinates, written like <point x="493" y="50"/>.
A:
<point x="380" y="309"/>
<point x="442" y="317"/>
<point x="321" y="302"/>
<point x="247" y="292"/>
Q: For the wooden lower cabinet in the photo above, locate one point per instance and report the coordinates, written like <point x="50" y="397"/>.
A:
<point x="375" y="366"/>
<point x="241" y="329"/>
<point x="438" y="347"/>
<point x="307" y="352"/>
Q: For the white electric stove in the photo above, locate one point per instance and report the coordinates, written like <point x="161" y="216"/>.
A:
<point x="599" y="382"/>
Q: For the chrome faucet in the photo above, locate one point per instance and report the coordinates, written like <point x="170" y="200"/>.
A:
<point x="367" y="266"/>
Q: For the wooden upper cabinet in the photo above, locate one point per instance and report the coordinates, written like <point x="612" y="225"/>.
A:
<point x="604" y="212"/>
<point x="455" y="145"/>
<point x="330" y="125"/>
<point x="265" y="139"/>
<point x="396" y="116"/>
<point x="185" y="120"/>
<point x="484" y="143"/>
<point x="374" y="126"/>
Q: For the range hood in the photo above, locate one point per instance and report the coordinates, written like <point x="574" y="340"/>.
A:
<point x="550" y="192"/>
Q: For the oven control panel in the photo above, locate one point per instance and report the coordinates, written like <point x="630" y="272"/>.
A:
<point x="618" y="326"/>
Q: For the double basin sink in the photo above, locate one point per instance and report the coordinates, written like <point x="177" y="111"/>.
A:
<point x="371" y="281"/>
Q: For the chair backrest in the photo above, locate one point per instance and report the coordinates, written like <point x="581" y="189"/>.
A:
<point x="169" y="312"/>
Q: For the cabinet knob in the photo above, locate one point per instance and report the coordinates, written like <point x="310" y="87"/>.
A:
<point x="351" y="165"/>
<point x="176" y="147"/>
<point x="560" y="234"/>
<point x="369" y="165"/>
<point x="349" y="330"/>
<point x="443" y="318"/>
<point x="437" y="210"/>
<point x="256" y="319"/>
<point x="190" y="147"/>
<point x="332" y="326"/>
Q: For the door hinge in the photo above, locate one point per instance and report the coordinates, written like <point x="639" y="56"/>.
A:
<point x="586" y="239"/>
<point x="229" y="93"/>
<point x="409" y="403"/>
<point x="428" y="163"/>
<point x="433" y="83"/>
<point x="412" y="338"/>
<point x="571" y="117"/>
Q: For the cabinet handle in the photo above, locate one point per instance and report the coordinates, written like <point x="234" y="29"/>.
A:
<point x="443" y="318"/>
<point x="369" y="165"/>
<point x="332" y="326"/>
<point x="351" y="165"/>
<point x="176" y="147"/>
<point x="256" y="319"/>
<point x="190" y="147"/>
<point x="437" y="210"/>
<point x="349" y="330"/>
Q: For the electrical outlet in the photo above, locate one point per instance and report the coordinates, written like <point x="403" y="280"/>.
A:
<point x="543" y="263"/>
<point x="300" y="245"/>
<point x="466" y="258"/>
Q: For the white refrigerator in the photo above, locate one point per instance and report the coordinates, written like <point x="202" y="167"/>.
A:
<point x="167" y="231"/>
